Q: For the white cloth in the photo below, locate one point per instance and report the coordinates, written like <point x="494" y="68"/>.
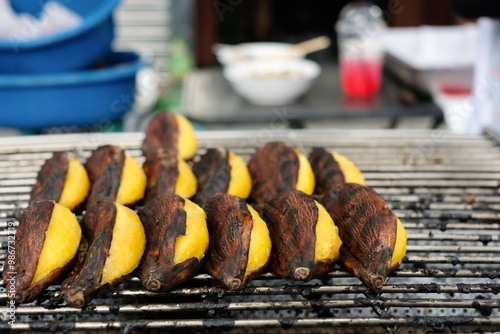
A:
<point x="427" y="48"/>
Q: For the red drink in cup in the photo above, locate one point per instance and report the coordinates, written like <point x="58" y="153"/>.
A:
<point x="360" y="78"/>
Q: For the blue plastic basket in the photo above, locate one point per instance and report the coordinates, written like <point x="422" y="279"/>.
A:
<point x="88" y="97"/>
<point x="68" y="50"/>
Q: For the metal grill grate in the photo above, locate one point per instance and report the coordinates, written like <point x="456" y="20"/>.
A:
<point x="444" y="187"/>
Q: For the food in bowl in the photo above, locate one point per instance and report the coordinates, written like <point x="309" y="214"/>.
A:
<point x="227" y="54"/>
<point x="269" y="83"/>
<point x="274" y="75"/>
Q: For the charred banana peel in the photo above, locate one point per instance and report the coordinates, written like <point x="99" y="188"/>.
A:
<point x="241" y="245"/>
<point x="275" y="168"/>
<point x="221" y="171"/>
<point x="374" y="239"/>
<point x="177" y="241"/>
<point x="305" y="239"/>
<point x="47" y="241"/>
<point x="331" y="169"/>
<point x="167" y="132"/>
<point x="62" y="179"/>
<point x="117" y="242"/>
<point x="167" y="173"/>
<point x="116" y="175"/>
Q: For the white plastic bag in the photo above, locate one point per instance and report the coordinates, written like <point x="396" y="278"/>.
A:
<point x="54" y="18"/>
<point x="486" y="83"/>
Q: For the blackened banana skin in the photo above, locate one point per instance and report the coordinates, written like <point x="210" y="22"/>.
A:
<point x="162" y="173"/>
<point x="274" y="169"/>
<point x="104" y="168"/>
<point x="291" y="217"/>
<point x="117" y="242"/>
<point x="230" y="226"/>
<point x="367" y="228"/>
<point x="51" y="178"/>
<point x="30" y="237"/>
<point x="326" y="170"/>
<point x="213" y="174"/>
<point x="161" y="135"/>
<point x="164" y="220"/>
<point x="99" y="221"/>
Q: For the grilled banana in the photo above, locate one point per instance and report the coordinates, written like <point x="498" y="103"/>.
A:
<point x="116" y="175"/>
<point x="62" y="179"/>
<point x="374" y="239"/>
<point x="167" y="132"/>
<point x="275" y="168"/>
<point x="240" y="245"/>
<point x="305" y="239"/>
<point x="221" y="171"/>
<point x="116" y="244"/>
<point x="47" y="241"/>
<point x="331" y="168"/>
<point x="166" y="173"/>
<point x="177" y="241"/>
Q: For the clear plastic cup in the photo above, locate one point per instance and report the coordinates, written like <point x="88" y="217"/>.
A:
<point x="359" y="34"/>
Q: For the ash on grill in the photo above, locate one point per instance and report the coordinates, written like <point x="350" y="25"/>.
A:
<point x="444" y="187"/>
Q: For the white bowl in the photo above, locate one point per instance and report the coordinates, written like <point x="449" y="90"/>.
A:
<point x="269" y="83"/>
<point x="227" y="54"/>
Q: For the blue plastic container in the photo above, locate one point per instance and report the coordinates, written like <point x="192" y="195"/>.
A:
<point x="87" y="97"/>
<point x="65" y="51"/>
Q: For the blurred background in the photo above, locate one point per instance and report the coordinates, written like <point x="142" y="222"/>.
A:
<point x="179" y="69"/>
<point x="295" y="21"/>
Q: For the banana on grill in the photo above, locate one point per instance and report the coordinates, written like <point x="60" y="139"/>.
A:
<point x="221" y="171"/>
<point x="305" y="239"/>
<point x="62" y="179"/>
<point x="116" y="244"/>
<point x="177" y="241"/>
<point x="116" y="175"/>
<point x="46" y="243"/>
<point x="240" y="245"/>
<point x="374" y="239"/>
<point x="331" y="169"/>
<point x="167" y="173"/>
<point x="168" y="132"/>
<point x="275" y="168"/>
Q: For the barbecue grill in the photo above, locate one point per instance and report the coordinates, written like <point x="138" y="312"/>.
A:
<point x="443" y="186"/>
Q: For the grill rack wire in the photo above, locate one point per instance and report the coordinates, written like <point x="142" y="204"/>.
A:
<point x="443" y="186"/>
